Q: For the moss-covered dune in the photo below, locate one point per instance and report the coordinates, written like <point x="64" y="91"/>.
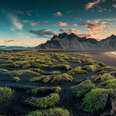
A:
<point x="81" y="89"/>
<point x="43" y="102"/>
<point x="93" y="94"/>
<point x="50" y="112"/>
<point x="53" y="78"/>
<point x="54" y="84"/>
<point x="77" y="70"/>
<point x="43" y="90"/>
<point x="5" y="94"/>
<point x="95" y="100"/>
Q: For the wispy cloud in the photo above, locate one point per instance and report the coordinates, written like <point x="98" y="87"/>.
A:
<point x="69" y="31"/>
<point x="59" y="14"/>
<point x="15" y="22"/>
<point x="114" y="5"/>
<point x="62" y="24"/>
<point x="94" y="25"/>
<point x="43" y="32"/>
<point x="91" y="4"/>
<point x="35" y="23"/>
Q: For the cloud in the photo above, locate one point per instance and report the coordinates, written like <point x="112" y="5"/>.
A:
<point x="69" y="31"/>
<point x="38" y="23"/>
<point x="59" y="14"/>
<point x="91" y="4"/>
<point x="76" y="32"/>
<point x="74" y="25"/>
<point x="62" y="24"/>
<point x="94" y="25"/>
<point x="16" y="22"/>
<point x="114" y="5"/>
<point x="89" y="35"/>
<point x="80" y="34"/>
<point x="9" y="40"/>
<point x="35" y="23"/>
<point x="43" y="32"/>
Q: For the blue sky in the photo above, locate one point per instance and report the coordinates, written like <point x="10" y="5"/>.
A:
<point x="31" y="22"/>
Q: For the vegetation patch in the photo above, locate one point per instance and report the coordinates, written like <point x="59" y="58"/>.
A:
<point x="50" y="112"/>
<point x="62" y="78"/>
<point x="77" y="70"/>
<point x="52" y="78"/>
<point x="62" y="67"/>
<point x="44" y="90"/>
<point x="108" y="84"/>
<point x="95" y="100"/>
<point x="91" y="68"/>
<point x="83" y="88"/>
<point x="5" y="94"/>
<point x="38" y="70"/>
<point x="43" y="102"/>
<point x="16" y="79"/>
<point x="43" y="79"/>
<point x="55" y="72"/>
<point x="88" y="61"/>
<point x="107" y="76"/>
<point x="41" y="66"/>
<point x="18" y="73"/>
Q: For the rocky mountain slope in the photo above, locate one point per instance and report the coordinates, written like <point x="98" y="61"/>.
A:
<point x="72" y="41"/>
<point x="109" y="43"/>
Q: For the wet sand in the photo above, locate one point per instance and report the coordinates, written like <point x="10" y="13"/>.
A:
<point x="109" y="58"/>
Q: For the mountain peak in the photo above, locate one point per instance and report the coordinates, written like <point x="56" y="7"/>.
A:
<point x="72" y="41"/>
<point x="62" y="35"/>
<point x="112" y="37"/>
<point x="73" y="35"/>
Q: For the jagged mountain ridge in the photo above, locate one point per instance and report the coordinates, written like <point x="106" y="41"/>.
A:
<point x="72" y="41"/>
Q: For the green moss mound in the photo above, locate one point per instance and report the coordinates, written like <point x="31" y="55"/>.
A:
<point x="81" y="89"/>
<point x="95" y="100"/>
<point x="52" y="78"/>
<point x="107" y="76"/>
<point x="62" y="67"/>
<point x="77" y="70"/>
<point x="55" y="72"/>
<point x="16" y="79"/>
<point x="91" y="68"/>
<point x="38" y="70"/>
<point x="44" y="90"/>
<point x="109" y="84"/>
<point x="5" y="94"/>
<point x="62" y="78"/>
<point x="43" y="79"/>
<point x="50" y="112"/>
<point x="43" y="102"/>
<point x="89" y="61"/>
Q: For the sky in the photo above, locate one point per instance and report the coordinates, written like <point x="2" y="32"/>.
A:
<point x="32" y="22"/>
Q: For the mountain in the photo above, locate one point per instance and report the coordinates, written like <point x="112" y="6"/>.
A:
<point x="109" y="43"/>
<point x="72" y="41"/>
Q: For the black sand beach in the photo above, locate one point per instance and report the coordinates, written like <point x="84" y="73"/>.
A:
<point x="107" y="57"/>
